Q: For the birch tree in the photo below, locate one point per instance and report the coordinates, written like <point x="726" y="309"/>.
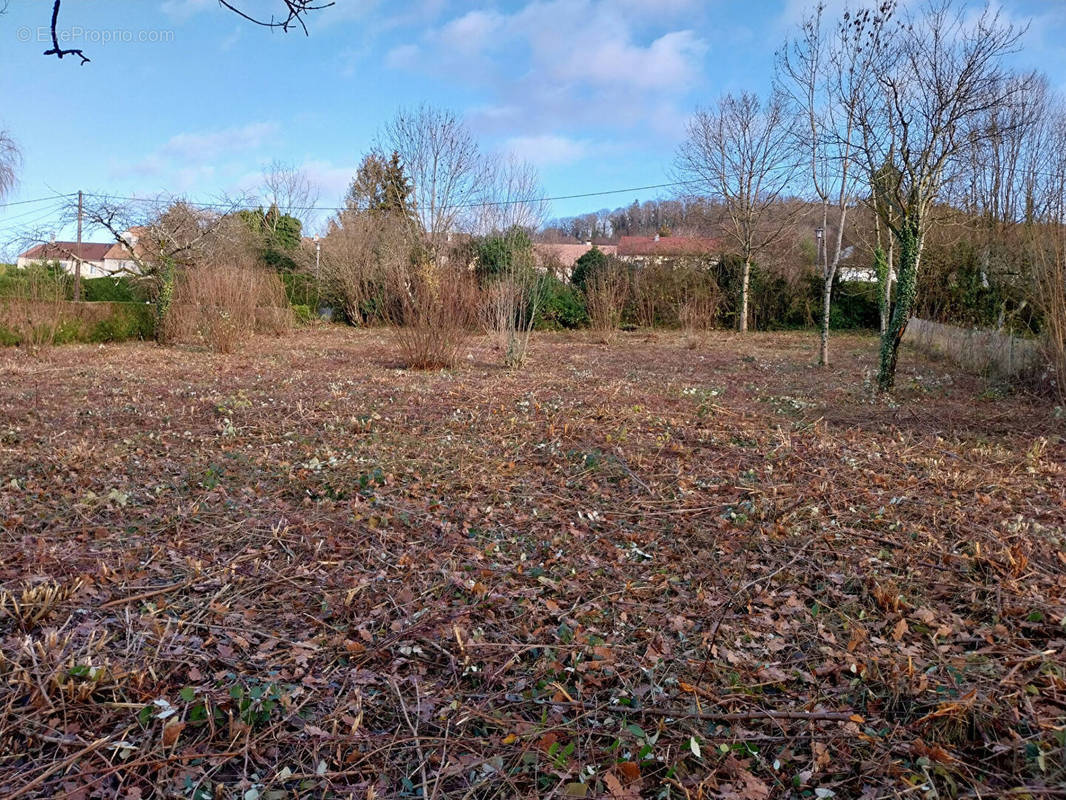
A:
<point x="821" y="75"/>
<point x="740" y="152"/>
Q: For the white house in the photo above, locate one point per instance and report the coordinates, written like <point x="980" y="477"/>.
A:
<point x="67" y="255"/>
<point x="98" y="259"/>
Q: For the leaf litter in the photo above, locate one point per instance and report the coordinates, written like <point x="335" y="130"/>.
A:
<point x="644" y="570"/>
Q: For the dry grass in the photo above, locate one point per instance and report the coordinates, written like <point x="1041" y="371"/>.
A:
<point x="985" y="352"/>
<point x="307" y="573"/>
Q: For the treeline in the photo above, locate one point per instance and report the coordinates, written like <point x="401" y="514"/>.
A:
<point x="680" y="217"/>
<point x="974" y="274"/>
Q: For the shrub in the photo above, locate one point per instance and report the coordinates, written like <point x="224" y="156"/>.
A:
<point x="562" y="306"/>
<point x="301" y="289"/>
<point x="359" y="257"/>
<point x="433" y="313"/>
<point x="678" y="292"/>
<point x="587" y="266"/>
<point x="21" y="282"/>
<point x="37" y="323"/>
<point x="110" y="289"/>
<point x="697" y="313"/>
<point x="303" y="314"/>
<point x="605" y="295"/>
<point x="855" y="305"/>
<point x="35" y="311"/>
<point x="506" y="254"/>
<point x="509" y="309"/>
<point x="1049" y="251"/>
<point x="127" y="321"/>
<point x="221" y="305"/>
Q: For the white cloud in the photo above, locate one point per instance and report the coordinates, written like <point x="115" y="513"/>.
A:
<point x="669" y="62"/>
<point x="471" y="32"/>
<point x="549" y="66"/>
<point x="183" y="9"/>
<point x="548" y="149"/>
<point x="404" y="56"/>
<point x="205" y="146"/>
<point x="331" y="179"/>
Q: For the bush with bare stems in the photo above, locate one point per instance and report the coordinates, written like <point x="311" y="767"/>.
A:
<point x="226" y="299"/>
<point x="433" y="311"/>
<point x="508" y="311"/>
<point x="676" y="292"/>
<point x="606" y="291"/>
<point x="1049" y="267"/>
<point x="697" y="311"/>
<point x="355" y="260"/>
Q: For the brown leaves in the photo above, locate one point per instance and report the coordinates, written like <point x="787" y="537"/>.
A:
<point x="473" y="575"/>
<point x="171" y="731"/>
<point x="899" y="630"/>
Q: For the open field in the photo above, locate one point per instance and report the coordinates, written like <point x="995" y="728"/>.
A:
<point x="656" y="569"/>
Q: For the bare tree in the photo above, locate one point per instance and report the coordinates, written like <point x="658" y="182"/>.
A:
<point x="287" y="188"/>
<point x="445" y="165"/>
<point x="162" y="237"/>
<point x="741" y="153"/>
<point x="514" y="196"/>
<point x="821" y="76"/>
<point x="931" y="79"/>
<point x="357" y="257"/>
<point x="10" y="159"/>
<point x="293" y="13"/>
<point x="513" y="295"/>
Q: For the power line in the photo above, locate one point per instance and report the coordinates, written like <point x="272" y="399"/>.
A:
<point x="37" y="213"/>
<point x="478" y="204"/>
<point x="38" y="200"/>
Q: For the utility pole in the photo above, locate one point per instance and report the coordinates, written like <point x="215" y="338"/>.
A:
<point x="77" y="260"/>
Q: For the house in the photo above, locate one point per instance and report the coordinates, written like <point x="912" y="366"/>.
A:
<point x="98" y="259"/>
<point x="564" y="256"/>
<point x="646" y="250"/>
<point x="122" y="257"/>
<point x="67" y="255"/>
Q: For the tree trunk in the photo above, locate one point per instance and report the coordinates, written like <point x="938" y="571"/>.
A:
<point x="890" y="279"/>
<point x="167" y="281"/>
<point x="827" y="299"/>
<point x="910" y="251"/>
<point x="745" y="281"/>
<point x="883" y="269"/>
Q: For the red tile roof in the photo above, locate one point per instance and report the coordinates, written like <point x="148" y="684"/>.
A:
<point x="567" y="254"/>
<point x="64" y="251"/>
<point x="668" y="246"/>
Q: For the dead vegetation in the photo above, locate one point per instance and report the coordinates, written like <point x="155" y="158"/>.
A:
<point x="635" y="571"/>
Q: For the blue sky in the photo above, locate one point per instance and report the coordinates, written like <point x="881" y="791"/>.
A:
<point x="595" y="92"/>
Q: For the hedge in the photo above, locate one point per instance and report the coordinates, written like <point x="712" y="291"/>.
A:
<point x="66" y="322"/>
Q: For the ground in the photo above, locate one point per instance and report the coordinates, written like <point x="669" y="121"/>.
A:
<point x="659" y="567"/>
